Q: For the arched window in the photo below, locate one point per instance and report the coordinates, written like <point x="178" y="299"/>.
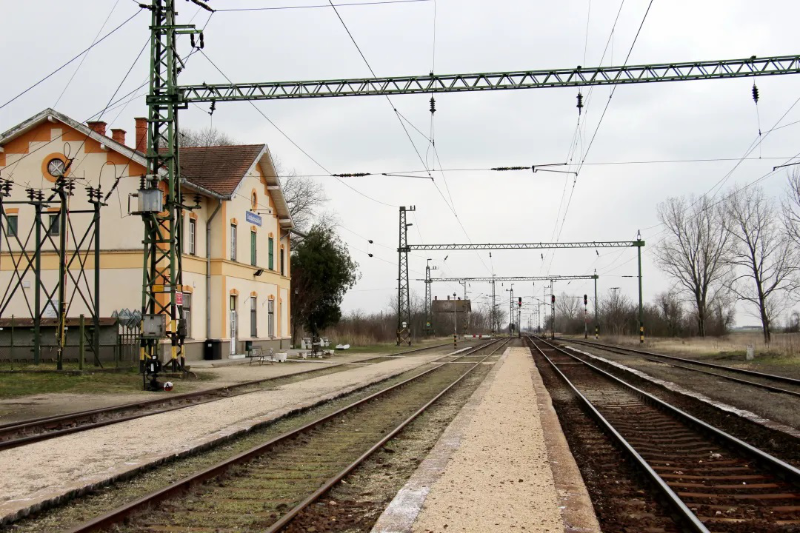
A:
<point x="254" y="201"/>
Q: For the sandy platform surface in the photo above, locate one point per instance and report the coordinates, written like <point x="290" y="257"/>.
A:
<point x="499" y="479"/>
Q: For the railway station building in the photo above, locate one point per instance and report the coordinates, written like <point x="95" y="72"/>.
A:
<point x="236" y="244"/>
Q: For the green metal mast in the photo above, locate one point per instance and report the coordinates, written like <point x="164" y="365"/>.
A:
<point x="160" y="202"/>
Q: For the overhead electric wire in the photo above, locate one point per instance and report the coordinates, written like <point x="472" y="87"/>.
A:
<point x="59" y="69"/>
<point x="599" y="123"/>
<point x="343" y="4"/>
<point x="286" y="136"/>
<point x="577" y="137"/>
<point x="394" y="108"/>
<point x="64" y="90"/>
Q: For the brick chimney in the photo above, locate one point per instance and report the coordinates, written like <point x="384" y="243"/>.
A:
<point x="118" y="135"/>
<point x="141" y="134"/>
<point x="98" y="126"/>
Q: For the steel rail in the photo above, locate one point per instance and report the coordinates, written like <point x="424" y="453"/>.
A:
<point x="42" y="423"/>
<point x="686" y="514"/>
<point x="288" y="517"/>
<point x="117" y="515"/>
<point x="764" y="386"/>
<point x="776" y="466"/>
<point x="774" y="377"/>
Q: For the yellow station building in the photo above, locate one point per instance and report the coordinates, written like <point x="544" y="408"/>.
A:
<point x="236" y="268"/>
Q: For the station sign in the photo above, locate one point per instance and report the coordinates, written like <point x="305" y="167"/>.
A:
<point x="253" y="218"/>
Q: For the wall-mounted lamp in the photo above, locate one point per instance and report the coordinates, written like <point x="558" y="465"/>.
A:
<point x="258" y="272"/>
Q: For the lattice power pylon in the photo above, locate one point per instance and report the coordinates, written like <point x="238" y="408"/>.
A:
<point x="403" y="288"/>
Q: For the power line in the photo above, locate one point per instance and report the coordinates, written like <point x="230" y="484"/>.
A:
<point x="286" y="136"/>
<point x="56" y="71"/>
<point x="400" y="173"/>
<point x="86" y="54"/>
<point x="344" y="4"/>
<point x="600" y="122"/>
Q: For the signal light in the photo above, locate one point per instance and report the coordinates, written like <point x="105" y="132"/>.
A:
<point x="520" y="301"/>
<point x="585" y="300"/>
<point x="553" y="296"/>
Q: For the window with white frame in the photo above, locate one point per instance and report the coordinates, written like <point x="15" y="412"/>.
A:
<point x="253" y="317"/>
<point x="271" y="318"/>
<point x="192" y="236"/>
<point x="233" y="242"/>
<point x="187" y="313"/>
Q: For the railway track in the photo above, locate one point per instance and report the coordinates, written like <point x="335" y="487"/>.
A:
<point x="711" y="480"/>
<point x="264" y="488"/>
<point x="689" y="364"/>
<point x="17" y="434"/>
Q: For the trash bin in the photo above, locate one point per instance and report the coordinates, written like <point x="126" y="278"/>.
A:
<point x="248" y="346"/>
<point x="212" y="350"/>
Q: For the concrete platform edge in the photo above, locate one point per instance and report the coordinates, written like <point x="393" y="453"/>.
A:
<point x="577" y="511"/>
<point x="401" y="513"/>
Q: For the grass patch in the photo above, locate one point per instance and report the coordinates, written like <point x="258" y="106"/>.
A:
<point x="130" y="382"/>
<point x="25" y="384"/>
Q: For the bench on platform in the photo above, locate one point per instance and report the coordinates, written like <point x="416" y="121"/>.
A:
<point x="258" y="354"/>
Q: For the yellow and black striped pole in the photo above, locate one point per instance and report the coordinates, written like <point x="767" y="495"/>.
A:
<point x="639" y="245"/>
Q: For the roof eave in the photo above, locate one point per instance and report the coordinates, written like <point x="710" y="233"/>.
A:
<point x="42" y="116"/>
<point x="275" y="189"/>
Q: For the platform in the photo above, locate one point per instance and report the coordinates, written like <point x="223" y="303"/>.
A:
<point x="503" y="465"/>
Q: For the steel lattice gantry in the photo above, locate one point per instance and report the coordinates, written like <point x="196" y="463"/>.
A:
<point x="162" y="265"/>
<point x="494" y="81"/>
<point x="510" y="278"/>
<point x="527" y="245"/>
<point x="404" y="249"/>
<point x="493" y="279"/>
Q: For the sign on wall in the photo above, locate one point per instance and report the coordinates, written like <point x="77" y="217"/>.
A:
<point x="253" y="218"/>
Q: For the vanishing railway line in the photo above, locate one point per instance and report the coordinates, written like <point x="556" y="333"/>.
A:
<point x="711" y="480"/>
<point x="264" y="488"/>
<point x="17" y="434"/>
<point x="789" y="385"/>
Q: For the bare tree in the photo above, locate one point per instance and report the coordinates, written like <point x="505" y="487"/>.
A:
<point x="616" y="310"/>
<point x="671" y="311"/>
<point x="791" y="208"/>
<point x="205" y="137"/>
<point x="695" y="250"/>
<point x="761" y="252"/>
<point x="568" y="306"/>
<point x="304" y="196"/>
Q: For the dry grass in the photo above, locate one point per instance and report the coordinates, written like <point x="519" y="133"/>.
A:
<point x="783" y="350"/>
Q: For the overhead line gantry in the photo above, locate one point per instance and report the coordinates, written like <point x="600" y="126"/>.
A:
<point x="162" y="272"/>
<point x="493" y="279"/>
<point x="494" y="81"/>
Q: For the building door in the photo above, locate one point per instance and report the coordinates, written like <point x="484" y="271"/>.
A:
<point x="234" y="329"/>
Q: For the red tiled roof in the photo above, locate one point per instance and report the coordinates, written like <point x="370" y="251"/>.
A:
<point x="218" y="168"/>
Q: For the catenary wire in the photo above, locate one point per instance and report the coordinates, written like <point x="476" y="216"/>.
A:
<point x="286" y="136"/>
<point x="343" y="4"/>
<point x="83" y="59"/>
<point x="59" y="69"/>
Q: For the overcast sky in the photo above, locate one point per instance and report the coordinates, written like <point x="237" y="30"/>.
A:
<point x="671" y="121"/>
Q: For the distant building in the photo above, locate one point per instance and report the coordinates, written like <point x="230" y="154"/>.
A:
<point x="237" y="273"/>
